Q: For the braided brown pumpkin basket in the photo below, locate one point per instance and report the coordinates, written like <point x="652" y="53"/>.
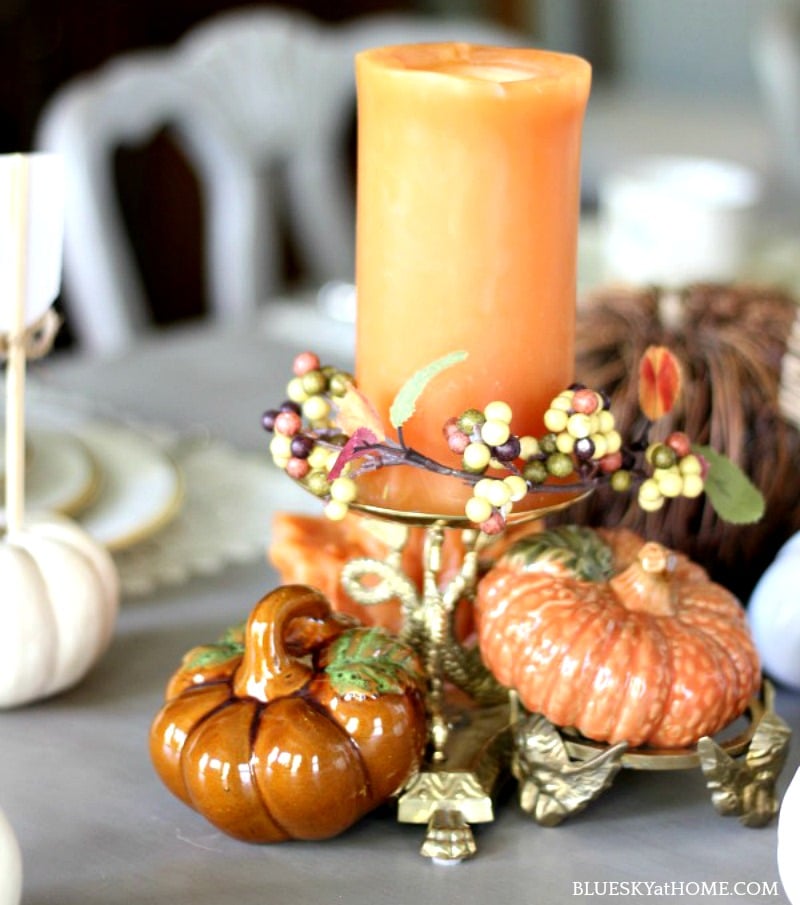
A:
<point x="734" y="343"/>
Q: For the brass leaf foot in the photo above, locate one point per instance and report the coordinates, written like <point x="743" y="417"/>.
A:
<point x="552" y="786"/>
<point x="456" y="789"/>
<point x="744" y="787"/>
<point x="449" y="838"/>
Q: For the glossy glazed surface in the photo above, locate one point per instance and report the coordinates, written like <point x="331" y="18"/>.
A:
<point x="293" y="728"/>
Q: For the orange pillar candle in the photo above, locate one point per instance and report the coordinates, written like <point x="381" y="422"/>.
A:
<point x="468" y="204"/>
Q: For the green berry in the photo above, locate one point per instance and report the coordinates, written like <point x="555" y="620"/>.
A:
<point x="621" y="481"/>
<point x="317" y="482"/>
<point x="535" y="472"/>
<point x="548" y="444"/>
<point x="469" y="420"/>
<point x="314" y="382"/>
<point x="663" y="456"/>
<point x="339" y="383"/>
<point x="559" y="465"/>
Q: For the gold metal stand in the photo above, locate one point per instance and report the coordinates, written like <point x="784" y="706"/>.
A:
<point x="474" y="745"/>
<point x="560" y="772"/>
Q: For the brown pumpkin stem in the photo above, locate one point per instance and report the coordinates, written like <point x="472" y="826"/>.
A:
<point x="268" y="670"/>
<point x="646" y="585"/>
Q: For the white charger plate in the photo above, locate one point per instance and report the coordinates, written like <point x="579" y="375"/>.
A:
<point x="61" y="475"/>
<point x="142" y="488"/>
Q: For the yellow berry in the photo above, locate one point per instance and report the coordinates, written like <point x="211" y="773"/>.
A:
<point x="517" y="486"/>
<point x="481" y="488"/>
<point x="476" y="457"/>
<point x="565" y="443"/>
<point x="528" y="447"/>
<point x="555" y="420"/>
<point x="606" y="422"/>
<point x="281" y="461"/>
<point x="650" y="496"/>
<point x="669" y="483"/>
<point x="296" y="391"/>
<point x="690" y="465"/>
<point x="335" y="510"/>
<point x="478" y="509"/>
<point x="316" y="408"/>
<point x="318" y="457"/>
<point x="495" y="433"/>
<point x="498" y="411"/>
<point x="280" y="446"/>
<point x="579" y="425"/>
<point x="692" y="485"/>
<point x="600" y="446"/>
<point x="563" y="401"/>
<point x="343" y="490"/>
<point x="498" y="494"/>
<point x="613" y="440"/>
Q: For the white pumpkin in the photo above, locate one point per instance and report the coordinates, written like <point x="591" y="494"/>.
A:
<point x="789" y="840"/>
<point x="774" y="615"/>
<point x="10" y="865"/>
<point x="59" y="597"/>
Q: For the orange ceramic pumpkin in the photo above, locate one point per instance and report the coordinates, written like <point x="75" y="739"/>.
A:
<point x="295" y="726"/>
<point x="621" y="639"/>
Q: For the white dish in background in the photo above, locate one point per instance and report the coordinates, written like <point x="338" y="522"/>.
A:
<point x="61" y="474"/>
<point x="141" y="491"/>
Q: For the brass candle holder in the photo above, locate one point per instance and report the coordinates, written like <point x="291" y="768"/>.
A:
<point x="480" y="735"/>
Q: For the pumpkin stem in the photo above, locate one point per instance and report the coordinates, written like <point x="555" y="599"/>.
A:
<point x="268" y="670"/>
<point x="646" y="585"/>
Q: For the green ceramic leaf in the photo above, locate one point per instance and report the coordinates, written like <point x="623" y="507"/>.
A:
<point x="405" y="402"/>
<point x="579" y="549"/>
<point x="212" y="655"/>
<point x="732" y="494"/>
<point x="371" y="662"/>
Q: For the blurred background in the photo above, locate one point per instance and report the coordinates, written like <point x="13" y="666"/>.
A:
<point x="684" y="77"/>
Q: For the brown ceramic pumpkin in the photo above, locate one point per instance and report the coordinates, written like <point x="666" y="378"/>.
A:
<point x="620" y="639"/>
<point x="293" y="727"/>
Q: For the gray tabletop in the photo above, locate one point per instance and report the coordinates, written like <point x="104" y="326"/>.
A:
<point x="96" y="827"/>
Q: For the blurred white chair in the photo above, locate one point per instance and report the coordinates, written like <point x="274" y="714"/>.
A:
<point x="240" y="92"/>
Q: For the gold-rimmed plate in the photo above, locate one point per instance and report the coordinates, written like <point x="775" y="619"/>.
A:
<point x="61" y="474"/>
<point x="142" y="487"/>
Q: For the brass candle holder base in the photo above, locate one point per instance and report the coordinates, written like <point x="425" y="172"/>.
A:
<point x="559" y="772"/>
<point x="480" y="734"/>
